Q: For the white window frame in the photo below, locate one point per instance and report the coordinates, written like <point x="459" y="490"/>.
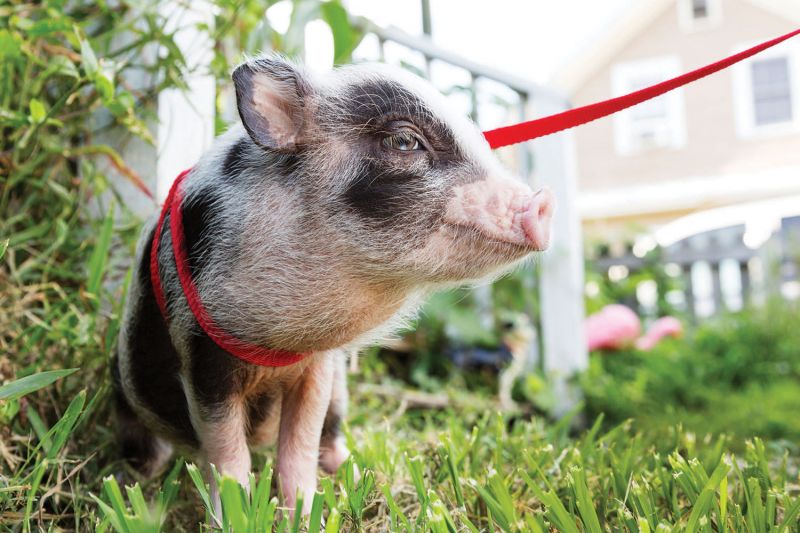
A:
<point x="687" y="21"/>
<point x="744" y="109"/>
<point x="663" y="67"/>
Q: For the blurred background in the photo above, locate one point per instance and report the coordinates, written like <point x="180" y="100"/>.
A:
<point x="670" y="294"/>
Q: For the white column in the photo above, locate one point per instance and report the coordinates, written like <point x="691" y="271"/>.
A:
<point x="186" y="117"/>
<point x="561" y="281"/>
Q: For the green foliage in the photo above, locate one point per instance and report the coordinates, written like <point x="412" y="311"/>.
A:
<point x="738" y="373"/>
<point x="21" y="387"/>
<point x="140" y="516"/>
<point x="610" y="291"/>
<point x="66" y="71"/>
<point x="482" y="474"/>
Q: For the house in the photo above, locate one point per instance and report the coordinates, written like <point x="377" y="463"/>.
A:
<point x="723" y="142"/>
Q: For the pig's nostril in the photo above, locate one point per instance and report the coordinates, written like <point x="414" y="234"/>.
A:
<point x="543" y="210"/>
<point x="536" y="221"/>
<point x="544" y="199"/>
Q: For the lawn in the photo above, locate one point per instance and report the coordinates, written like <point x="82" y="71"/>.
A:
<point x="463" y="467"/>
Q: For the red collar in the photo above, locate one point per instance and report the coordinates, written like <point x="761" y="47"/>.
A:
<point x="236" y="347"/>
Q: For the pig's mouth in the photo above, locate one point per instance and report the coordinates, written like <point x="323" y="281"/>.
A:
<point x="480" y="238"/>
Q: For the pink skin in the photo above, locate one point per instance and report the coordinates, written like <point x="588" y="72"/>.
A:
<point x="302" y="415"/>
<point x="667" y="326"/>
<point x="505" y="210"/>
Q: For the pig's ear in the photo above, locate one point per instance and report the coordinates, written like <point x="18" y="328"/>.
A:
<point x="270" y="94"/>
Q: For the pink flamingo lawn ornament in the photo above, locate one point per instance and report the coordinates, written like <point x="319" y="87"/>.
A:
<point x="616" y="326"/>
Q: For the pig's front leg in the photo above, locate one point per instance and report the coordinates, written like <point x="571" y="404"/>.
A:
<point x="224" y="444"/>
<point x="302" y="416"/>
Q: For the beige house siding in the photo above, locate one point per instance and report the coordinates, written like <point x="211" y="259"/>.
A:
<point x="713" y="147"/>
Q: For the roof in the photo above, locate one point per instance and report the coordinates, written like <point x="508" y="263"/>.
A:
<point x="636" y="19"/>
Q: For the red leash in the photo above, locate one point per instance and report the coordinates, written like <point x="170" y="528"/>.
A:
<point x="533" y="129"/>
<point x="496" y="138"/>
<point x="244" y="351"/>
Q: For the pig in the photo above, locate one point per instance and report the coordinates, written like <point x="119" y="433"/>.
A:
<point x="318" y="225"/>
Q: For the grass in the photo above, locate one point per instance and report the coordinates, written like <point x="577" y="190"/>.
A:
<point x="464" y="468"/>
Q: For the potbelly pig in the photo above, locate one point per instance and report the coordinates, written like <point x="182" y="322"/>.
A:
<point x="318" y="225"/>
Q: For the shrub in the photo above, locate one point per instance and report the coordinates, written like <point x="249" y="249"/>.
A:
<point x="721" y="371"/>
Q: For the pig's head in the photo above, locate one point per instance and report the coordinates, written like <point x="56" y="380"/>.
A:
<point x="389" y="174"/>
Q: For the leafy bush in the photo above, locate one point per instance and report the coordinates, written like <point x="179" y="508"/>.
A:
<point x="717" y="377"/>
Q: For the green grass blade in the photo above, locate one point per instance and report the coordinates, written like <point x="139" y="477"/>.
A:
<point x="705" y="498"/>
<point x="97" y="262"/>
<point x="584" y="501"/>
<point x="21" y="387"/>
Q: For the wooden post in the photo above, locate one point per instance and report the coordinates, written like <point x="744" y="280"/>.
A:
<point x="719" y="298"/>
<point x="744" y="272"/>
<point x="561" y="283"/>
<point x="689" y="290"/>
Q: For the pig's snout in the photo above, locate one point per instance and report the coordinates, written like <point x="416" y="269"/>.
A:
<point x="536" y="219"/>
<point x="502" y="210"/>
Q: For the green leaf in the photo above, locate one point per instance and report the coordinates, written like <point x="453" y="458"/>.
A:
<point x="345" y="38"/>
<point x="104" y="86"/>
<point x="38" y="112"/>
<point x="584" y="501"/>
<point x="9" y="45"/>
<point x="88" y="59"/>
<point x="63" y="428"/>
<point x="704" y="499"/>
<point x="21" y="387"/>
<point x="97" y="262"/>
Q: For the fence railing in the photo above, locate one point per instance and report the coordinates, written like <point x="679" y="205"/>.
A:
<point x="715" y="271"/>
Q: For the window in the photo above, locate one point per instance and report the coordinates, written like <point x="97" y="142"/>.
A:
<point x="699" y="9"/>
<point x="657" y="123"/>
<point x="772" y="91"/>
<point x="696" y="15"/>
<point x="767" y="92"/>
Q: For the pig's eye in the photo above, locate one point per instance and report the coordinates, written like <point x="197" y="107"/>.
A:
<point x="403" y="141"/>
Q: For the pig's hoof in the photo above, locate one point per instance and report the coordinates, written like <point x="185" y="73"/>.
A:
<point x="332" y="458"/>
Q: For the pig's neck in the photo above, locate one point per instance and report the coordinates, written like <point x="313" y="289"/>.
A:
<point x="286" y="285"/>
<point x="309" y="308"/>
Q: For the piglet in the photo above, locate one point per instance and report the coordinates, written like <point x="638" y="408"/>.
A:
<point x="316" y="226"/>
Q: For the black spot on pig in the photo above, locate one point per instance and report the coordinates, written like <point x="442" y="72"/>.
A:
<point x="331" y="428"/>
<point x="381" y="194"/>
<point x="154" y="363"/>
<point x="198" y="219"/>
<point x="245" y="155"/>
<point x="259" y="407"/>
<point x="216" y="375"/>
<point x="236" y="159"/>
<point x="370" y="104"/>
